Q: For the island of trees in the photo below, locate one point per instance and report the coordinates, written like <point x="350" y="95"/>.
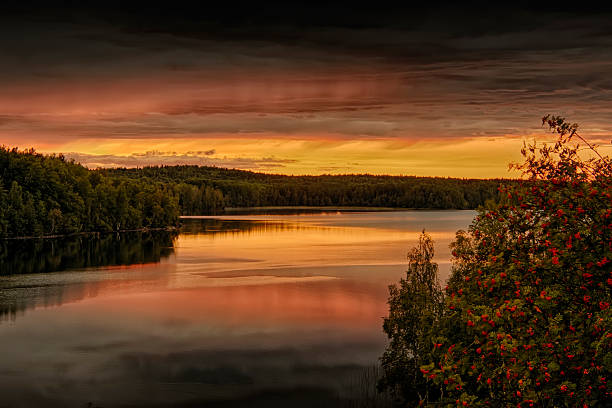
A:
<point x="42" y="195"/>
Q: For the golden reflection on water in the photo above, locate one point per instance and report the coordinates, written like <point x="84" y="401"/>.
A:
<point x="247" y="251"/>
<point x="283" y="247"/>
<point x="240" y="305"/>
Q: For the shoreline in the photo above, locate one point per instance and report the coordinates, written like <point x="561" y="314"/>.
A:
<point x="173" y="228"/>
<point x="237" y="211"/>
<point x="325" y="208"/>
<point x="306" y="207"/>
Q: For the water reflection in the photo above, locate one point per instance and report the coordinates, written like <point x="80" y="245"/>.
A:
<point x="95" y="264"/>
<point x="272" y="310"/>
<point x="84" y="251"/>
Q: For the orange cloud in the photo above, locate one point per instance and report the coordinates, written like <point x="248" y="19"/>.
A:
<point x="304" y="108"/>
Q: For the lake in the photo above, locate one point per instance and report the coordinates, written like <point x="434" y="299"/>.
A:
<point x="242" y="310"/>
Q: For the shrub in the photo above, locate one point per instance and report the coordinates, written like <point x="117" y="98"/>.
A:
<point x="527" y="309"/>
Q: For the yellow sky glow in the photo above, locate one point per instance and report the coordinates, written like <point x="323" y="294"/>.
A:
<point x="472" y="158"/>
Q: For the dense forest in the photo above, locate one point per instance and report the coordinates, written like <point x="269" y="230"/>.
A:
<point x="49" y="195"/>
<point x="203" y="190"/>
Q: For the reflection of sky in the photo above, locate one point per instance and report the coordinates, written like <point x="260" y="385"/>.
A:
<point x="293" y="303"/>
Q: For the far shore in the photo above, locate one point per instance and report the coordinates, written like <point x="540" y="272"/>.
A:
<point x="319" y="208"/>
<point x="251" y="210"/>
<point x="315" y="208"/>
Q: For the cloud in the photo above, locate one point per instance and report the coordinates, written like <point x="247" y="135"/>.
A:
<point x="157" y="158"/>
<point x="414" y="75"/>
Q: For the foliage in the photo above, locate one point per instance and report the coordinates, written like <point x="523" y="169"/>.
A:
<point x="527" y="319"/>
<point x="414" y="307"/>
<point x="204" y="190"/>
<point x="48" y="195"/>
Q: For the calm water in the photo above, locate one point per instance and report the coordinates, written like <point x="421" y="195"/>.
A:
<point x="239" y="310"/>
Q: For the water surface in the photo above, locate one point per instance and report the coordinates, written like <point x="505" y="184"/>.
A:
<point x="258" y="310"/>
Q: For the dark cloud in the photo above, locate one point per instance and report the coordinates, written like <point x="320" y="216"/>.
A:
<point x="435" y="71"/>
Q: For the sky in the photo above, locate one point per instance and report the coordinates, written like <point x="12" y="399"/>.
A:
<point x="438" y="90"/>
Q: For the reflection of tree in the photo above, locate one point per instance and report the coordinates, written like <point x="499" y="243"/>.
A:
<point x="35" y="257"/>
<point x="196" y="226"/>
<point x="51" y="255"/>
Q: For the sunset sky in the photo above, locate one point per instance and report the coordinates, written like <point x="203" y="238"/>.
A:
<point x="427" y="91"/>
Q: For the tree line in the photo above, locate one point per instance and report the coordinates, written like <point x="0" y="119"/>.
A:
<point x="205" y="190"/>
<point x="42" y="195"/>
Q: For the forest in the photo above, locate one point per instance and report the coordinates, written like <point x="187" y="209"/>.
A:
<point x="49" y="195"/>
<point x="46" y="195"/>
<point x="208" y="190"/>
